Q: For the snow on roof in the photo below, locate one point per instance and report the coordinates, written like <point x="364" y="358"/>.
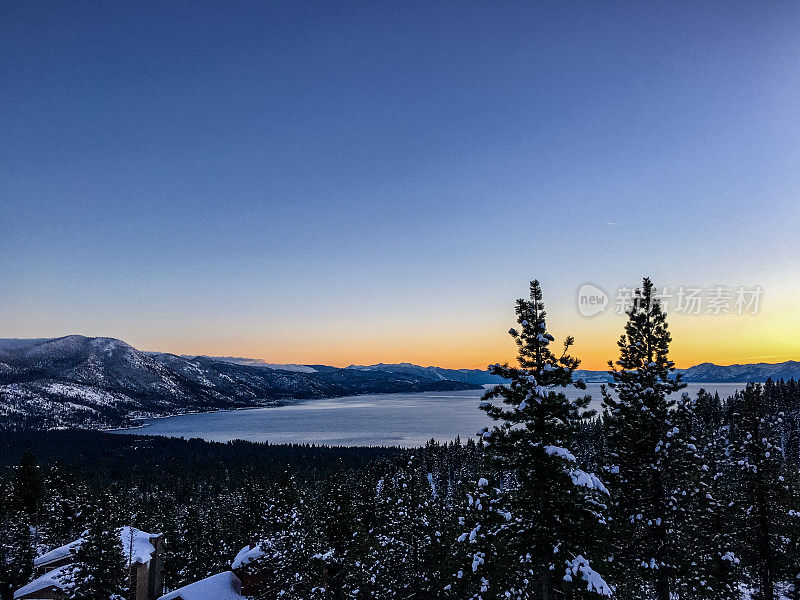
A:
<point x="48" y="580"/>
<point x="222" y="586"/>
<point x="142" y="548"/>
<point x="246" y="555"/>
<point x="56" y="553"/>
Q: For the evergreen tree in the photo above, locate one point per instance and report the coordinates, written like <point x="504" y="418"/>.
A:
<point x="762" y="493"/>
<point x="405" y="555"/>
<point x="98" y="569"/>
<point x="720" y="569"/>
<point x="637" y="420"/>
<point x="202" y="547"/>
<point x="62" y="508"/>
<point x="702" y="554"/>
<point x="556" y="524"/>
<point x="293" y="558"/>
<point x="484" y="515"/>
<point x="16" y="553"/>
<point x="27" y="486"/>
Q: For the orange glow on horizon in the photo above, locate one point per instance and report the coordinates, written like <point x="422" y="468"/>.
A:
<point x="470" y="339"/>
<point x="722" y="340"/>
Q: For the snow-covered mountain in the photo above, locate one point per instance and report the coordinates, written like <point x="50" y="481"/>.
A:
<point x="758" y="372"/>
<point x="81" y="381"/>
<point x="711" y="373"/>
<point x="474" y="376"/>
<point x="257" y="362"/>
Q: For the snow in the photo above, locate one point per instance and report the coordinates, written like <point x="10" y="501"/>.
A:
<point x="731" y="557"/>
<point x="56" y="553"/>
<point x="559" y="451"/>
<point x="587" y="480"/>
<point x="142" y="548"/>
<point x="580" y="566"/>
<point x="222" y="586"/>
<point x="48" y="580"/>
<point x="288" y="367"/>
<point x="82" y="392"/>
<point x="247" y="555"/>
<point x="477" y="560"/>
<point x="433" y="485"/>
<point x="257" y="362"/>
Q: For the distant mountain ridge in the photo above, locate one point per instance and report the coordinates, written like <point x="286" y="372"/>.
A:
<point x="474" y="376"/>
<point x="255" y="362"/>
<point x="757" y="372"/>
<point x="711" y="373"/>
<point x="76" y="381"/>
<point x="702" y="373"/>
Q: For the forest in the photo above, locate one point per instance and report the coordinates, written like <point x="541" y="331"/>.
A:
<point x="658" y="496"/>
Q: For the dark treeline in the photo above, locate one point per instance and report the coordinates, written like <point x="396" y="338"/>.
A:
<point x="661" y="496"/>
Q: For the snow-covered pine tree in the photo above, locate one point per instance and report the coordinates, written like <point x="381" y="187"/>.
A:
<point x="702" y="554"/>
<point x="637" y="419"/>
<point x="721" y="569"/>
<point x="555" y="523"/>
<point x="16" y="552"/>
<point x="287" y="568"/>
<point x="762" y="494"/>
<point x="337" y="531"/>
<point x="98" y="569"/>
<point x="402" y="559"/>
<point x="483" y="515"/>
<point x="792" y="534"/>
<point x="195" y="553"/>
<point x="62" y="508"/>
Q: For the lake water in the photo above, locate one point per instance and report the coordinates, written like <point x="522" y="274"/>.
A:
<point x="369" y="420"/>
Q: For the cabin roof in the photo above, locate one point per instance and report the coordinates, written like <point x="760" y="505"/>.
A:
<point x="222" y="586"/>
<point x="48" y="580"/>
<point x="142" y="547"/>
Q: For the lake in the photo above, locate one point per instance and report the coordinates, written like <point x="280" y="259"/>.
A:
<point x="369" y="420"/>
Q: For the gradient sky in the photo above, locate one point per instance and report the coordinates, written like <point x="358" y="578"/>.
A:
<point x="362" y="182"/>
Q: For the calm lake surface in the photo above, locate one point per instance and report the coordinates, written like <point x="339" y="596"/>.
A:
<point x="369" y="420"/>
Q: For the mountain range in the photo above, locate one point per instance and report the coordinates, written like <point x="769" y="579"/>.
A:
<point x="78" y="381"/>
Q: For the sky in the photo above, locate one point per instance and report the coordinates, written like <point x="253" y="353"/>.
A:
<point x="344" y="182"/>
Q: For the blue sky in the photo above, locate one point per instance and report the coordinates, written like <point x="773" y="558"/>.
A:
<point x="337" y="181"/>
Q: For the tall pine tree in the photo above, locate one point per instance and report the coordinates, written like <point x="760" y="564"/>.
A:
<point x="554" y="509"/>
<point x="638" y="420"/>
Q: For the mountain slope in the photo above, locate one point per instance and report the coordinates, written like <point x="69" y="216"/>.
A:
<point x="92" y="382"/>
